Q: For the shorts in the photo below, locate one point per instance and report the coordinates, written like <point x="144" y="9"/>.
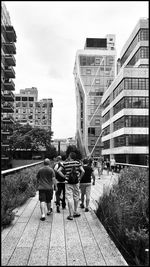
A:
<point x="45" y="195"/>
<point x="85" y="189"/>
<point x="72" y="191"/>
<point x="112" y="167"/>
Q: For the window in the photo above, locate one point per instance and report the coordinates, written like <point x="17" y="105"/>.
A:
<point x="97" y="121"/>
<point x="31" y="98"/>
<point x="91" y="131"/>
<point x="24" y="98"/>
<point x="88" y="71"/>
<point x="18" y="98"/>
<point x="97" y="61"/>
<point x="97" y="81"/>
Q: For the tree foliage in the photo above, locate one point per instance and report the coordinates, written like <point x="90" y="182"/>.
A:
<point x="26" y="137"/>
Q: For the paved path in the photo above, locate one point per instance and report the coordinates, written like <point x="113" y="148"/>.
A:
<point x="57" y="241"/>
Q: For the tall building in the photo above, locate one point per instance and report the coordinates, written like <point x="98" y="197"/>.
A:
<point x="126" y="102"/>
<point x="8" y="62"/>
<point x="94" y="71"/>
<point x="27" y="109"/>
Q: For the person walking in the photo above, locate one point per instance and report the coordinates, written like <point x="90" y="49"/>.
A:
<point x="99" y="167"/>
<point x="85" y="184"/>
<point x="107" y="166"/>
<point x="45" y="185"/>
<point x="112" y="164"/>
<point x="60" y="186"/>
<point x="73" y="174"/>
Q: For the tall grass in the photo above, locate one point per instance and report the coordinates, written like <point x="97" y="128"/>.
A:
<point x="125" y="213"/>
<point x="15" y="190"/>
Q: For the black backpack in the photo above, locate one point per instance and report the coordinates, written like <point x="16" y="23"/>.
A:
<point x="73" y="176"/>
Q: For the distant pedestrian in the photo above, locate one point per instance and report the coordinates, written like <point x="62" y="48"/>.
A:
<point x="99" y="167"/>
<point x="107" y="163"/>
<point x="60" y="185"/>
<point x="112" y="164"/>
<point x="45" y="184"/>
<point x="73" y="174"/>
<point x="85" y="184"/>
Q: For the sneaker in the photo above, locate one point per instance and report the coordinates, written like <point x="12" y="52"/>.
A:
<point x="70" y="217"/>
<point x="82" y="206"/>
<point x="49" y="211"/>
<point x="86" y="209"/>
<point x="42" y="218"/>
<point x="76" y="215"/>
<point x="58" y="210"/>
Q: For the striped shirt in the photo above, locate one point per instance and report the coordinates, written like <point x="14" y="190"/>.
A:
<point x="67" y="166"/>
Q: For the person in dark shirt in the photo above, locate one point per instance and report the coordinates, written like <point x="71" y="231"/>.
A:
<point x="45" y="183"/>
<point x="85" y="184"/>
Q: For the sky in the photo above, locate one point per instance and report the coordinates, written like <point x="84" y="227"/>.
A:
<point x="49" y="33"/>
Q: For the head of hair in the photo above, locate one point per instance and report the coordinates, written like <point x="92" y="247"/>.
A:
<point x="72" y="155"/>
<point x="46" y="161"/>
<point x="59" y="158"/>
<point x="85" y="161"/>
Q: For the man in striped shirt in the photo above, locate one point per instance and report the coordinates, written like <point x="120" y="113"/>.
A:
<point x="72" y="188"/>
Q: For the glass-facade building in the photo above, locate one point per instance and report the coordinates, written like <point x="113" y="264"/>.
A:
<point x="126" y="102"/>
<point x="8" y="62"/>
<point x="94" y="71"/>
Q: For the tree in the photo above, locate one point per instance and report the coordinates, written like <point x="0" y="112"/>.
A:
<point x="73" y="148"/>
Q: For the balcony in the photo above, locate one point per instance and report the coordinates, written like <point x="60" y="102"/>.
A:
<point x="10" y="33"/>
<point x="8" y="96"/>
<point x="9" y="48"/>
<point x="5" y="143"/>
<point x="9" y="72"/>
<point x="7" y="108"/>
<point x="7" y="119"/>
<point x="10" y="60"/>
<point x="9" y="85"/>
<point x="6" y="131"/>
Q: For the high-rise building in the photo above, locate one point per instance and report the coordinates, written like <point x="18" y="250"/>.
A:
<point x="8" y="50"/>
<point x="27" y="109"/>
<point x="94" y="71"/>
<point x="126" y="102"/>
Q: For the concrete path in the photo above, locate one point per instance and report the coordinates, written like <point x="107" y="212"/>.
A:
<point x="57" y="241"/>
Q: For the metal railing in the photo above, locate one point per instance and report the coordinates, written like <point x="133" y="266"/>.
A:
<point x="119" y="166"/>
<point x="13" y="170"/>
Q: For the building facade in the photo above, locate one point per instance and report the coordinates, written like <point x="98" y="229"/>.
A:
<point x="8" y="62"/>
<point x="94" y="71"/>
<point x="125" y="103"/>
<point x="27" y="109"/>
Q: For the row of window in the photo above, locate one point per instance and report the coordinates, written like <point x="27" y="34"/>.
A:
<point x="131" y="121"/>
<point x="131" y="140"/>
<point x="131" y="102"/>
<point x="95" y="60"/>
<point x="131" y="84"/>
<point x="128" y="140"/>
<point x="142" y="35"/>
<point x="143" y="52"/>
<point x="24" y="98"/>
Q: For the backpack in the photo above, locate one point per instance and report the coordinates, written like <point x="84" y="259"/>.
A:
<point x="59" y="178"/>
<point x="73" y="176"/>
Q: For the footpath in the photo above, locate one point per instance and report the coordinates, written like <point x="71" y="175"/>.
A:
<point x="57" y="241"/>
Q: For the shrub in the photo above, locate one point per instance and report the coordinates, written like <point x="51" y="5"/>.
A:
<point x="16" y="188"/>
<point x="125" y="211"/>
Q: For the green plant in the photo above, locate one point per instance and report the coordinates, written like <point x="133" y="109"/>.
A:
<point x="125" y="209"/>
<point x="16" y="188"/>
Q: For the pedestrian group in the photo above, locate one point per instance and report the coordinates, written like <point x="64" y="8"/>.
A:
<point x="71" y="179"/>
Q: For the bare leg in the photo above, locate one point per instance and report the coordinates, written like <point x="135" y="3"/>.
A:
<point x="42" y="207"/>
<point x="70" y="208"/>
<point x="82" y="198"/>
<point x="75" y="205"/>
<point x="49" y="207"/>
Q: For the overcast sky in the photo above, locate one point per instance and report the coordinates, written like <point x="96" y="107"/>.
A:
<point x="49" y="33"/>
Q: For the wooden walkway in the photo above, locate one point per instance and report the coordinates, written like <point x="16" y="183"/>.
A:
<point x="57" y="241"/>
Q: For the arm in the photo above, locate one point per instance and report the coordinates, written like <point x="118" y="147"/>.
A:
<point x="61" y="173"/>
<point x="82" y="172"/>
<point x="93" y="177"/>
